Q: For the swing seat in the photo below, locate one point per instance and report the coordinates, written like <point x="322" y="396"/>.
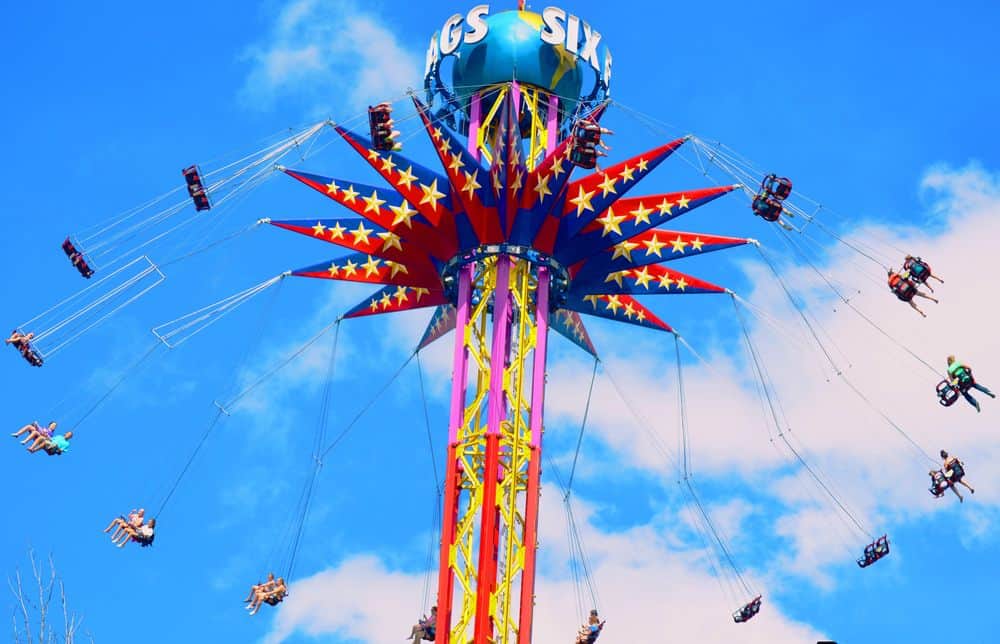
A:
<point x="938" y="484"/>
<point x="583" y="157"/>
<point x="380" y="127"/>
<point x="145" y="542"/>
<point x="947" y="393"/>
<point x="874" y="551"/>
<point x="587" y="132"/>
<point x="196" y="189"/>
<point x="766" y="207"/>
<point x="965" y="379"/>
<point x="32" y="356"/>
<point x="747" y="612"/>
<point x="68" y="247"/>
<point x="957" y="473"/>
<point x="904" y="289"/>
<point x="778" y="187"/>
<point x="275" y="598"/>
<point x="918" y="268"/>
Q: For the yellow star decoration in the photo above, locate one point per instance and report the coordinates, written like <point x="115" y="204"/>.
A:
<point x="683" y="202"/>
<point x="654" y="245"/>
<point x="642" y="214"/>
<point x="471" y="183"/>
<point x="456" y="162"/>
<point x="666" y="207"/>
<point x="615" y="277"/>
<point x="361" y="233"/>
<point x="608" y="185"/>
<point x="337" y="231"/>
<point x="612" y="303"/>
<point x="350" y="268"/>
<point x="386" y="301"/>
<point x="400" y="295"/>
<point x="557" y="168"/>
<point x="582" y="201"/>
<point x="518" y="177"/>
<point x="592" y="299"/>
<point x="624" y="249"/>
<point x="402" y="214"/>
<point x="628" y="174"/>
<point x="643" y="165"/>
<point x="681" y="284"/>
<point x="374" y="305"/>
<point x="542" y="187"/>
<point x="679" y="245"/>
<point x="436" y="134"/>
<point x="665" y="281"/>
<point x="697" y="243"/>
<point x="333" y="270"/>
<point x="332" y="188"/>
<point x="318" y="229"/>
<point x="640" y="315"/>
<point x="390" y="240"/>
<point x="373" y="155"/>
<point x="373" y="203"/>
<point x="387" y="165"/>
<point x="406" y="177"/>
<point x="642" y="277"/>
<point x="371" y="266"/>
<point x="629" y="310"/>
<point x="395" y="268"/>
<point x="420" y="292"/>
<point x="350" y="194"/>
<point x="431" y="194"/>
<point x="497" y="184"/>
<point x="611" y="222"/>
<point x="445" y="146"/>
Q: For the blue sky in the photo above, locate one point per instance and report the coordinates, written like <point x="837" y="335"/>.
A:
<point x="884" y="112"/>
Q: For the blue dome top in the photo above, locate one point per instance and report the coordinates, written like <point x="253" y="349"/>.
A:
<point x="513" y="49"/>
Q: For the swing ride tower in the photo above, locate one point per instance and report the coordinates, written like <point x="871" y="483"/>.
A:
<point x="506" y="246"/>
<point x="503" y="294"/>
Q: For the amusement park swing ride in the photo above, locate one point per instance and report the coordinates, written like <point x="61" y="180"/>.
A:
<point x="520" y="228"/>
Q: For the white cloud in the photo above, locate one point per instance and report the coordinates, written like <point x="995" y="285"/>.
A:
<point x="333" y="55"/>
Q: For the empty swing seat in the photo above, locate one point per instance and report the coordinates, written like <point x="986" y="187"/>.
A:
<point x="947" y="393"/>
<point x="938" y="483"/>
<point x="747" y="612"/>
<point x="196" y="189"/>
<point x="874" y="551"/>
<point x="778" y="187"/>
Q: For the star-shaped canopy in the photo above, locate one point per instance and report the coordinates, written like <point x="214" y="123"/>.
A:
<point x="612" y="245"/>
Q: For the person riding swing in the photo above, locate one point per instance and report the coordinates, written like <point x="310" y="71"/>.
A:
<point x="954" y="472"/>
<point x="590" y="631"/>
<point x="905" y="290"/>
<point x="920" y="271"/>
<point x="960" y="377"/>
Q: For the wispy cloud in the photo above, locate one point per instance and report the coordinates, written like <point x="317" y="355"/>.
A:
<point x="328" y="57"/>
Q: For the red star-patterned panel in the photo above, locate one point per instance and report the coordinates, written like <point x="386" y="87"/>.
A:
<point x="609" y="239"/>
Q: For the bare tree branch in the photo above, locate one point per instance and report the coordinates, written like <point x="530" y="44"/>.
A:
<point x="37" y="615"/>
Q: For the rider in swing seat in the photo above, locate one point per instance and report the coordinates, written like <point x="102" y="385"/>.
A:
<point x="960" y="376"/>
<point x="905" y="290"/>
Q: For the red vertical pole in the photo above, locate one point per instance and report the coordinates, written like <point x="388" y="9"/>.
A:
<point x="460" y="373"/>
<point x="496" y="413"/>
<point x="533" y="492"/>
